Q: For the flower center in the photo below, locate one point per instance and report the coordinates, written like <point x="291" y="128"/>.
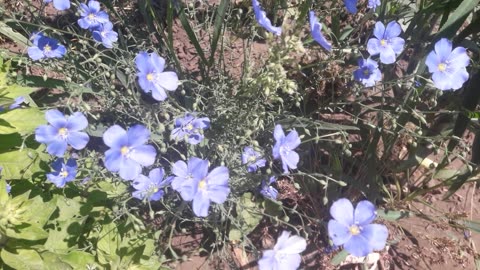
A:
<point x="189" y="127"/>
<point x="124" y="150"/>
<point x="442" y="67"/>
<point x="252" y="159"/>
<point x="354" y="230"/>
<point x="284" y="150"/>
<point x="150" y="77"/>
<point x="62" y="132"/>
<point x="202" y="184"/>
<point x="91" y="16"/>
<point x="383" y="42"/>
<point x="366" y="72"/>
<point x="47" y="48"/>
<point x="63" y="173"/>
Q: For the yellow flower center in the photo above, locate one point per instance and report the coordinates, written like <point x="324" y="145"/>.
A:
<point x="47" y="48"/>
<point x="202" y="184"/>
<point x="63" y="174"/>
<point x="124" y="150"/>
<point x="91" y="16"/>
<point x="155" y="190"/>
<point x="252" y="159"/>
<point x="62" y="132"/>
<point x="366" y="72"/>
<point x="354" y="230"/>
<point x="189" y="127"/>
<point x="442" y="67"/>
<point x="150" y="76"/>
<point x="383" y="42"/>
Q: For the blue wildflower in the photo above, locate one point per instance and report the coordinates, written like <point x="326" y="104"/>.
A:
<point x="386" y="42"/>
<point x="63" y="172"/>
<point x="284" y="146"/>
<point x="316" y="29"/>
<point x="267" y="190"/>
<point x="373" y="4"/>
<point x="16" y="103"/>
<point x="9" y="188"/>
<point x="62" y="131"/>
<point x="352" y="229"/>
<point x="252" y="158"/>
<point x="91" y="15"/>
<point x="190" y="128"/>
<point x="285" y="254"/>
<point x="262" y="19"/>
<point x="151" y="76"/>
<point x="151" y="187"/>
<point x="351" y="5"/>
<point x="448" y="67"/>
<point x="105" y="34"/>
<point x="127" y="153"/>
<point x="45" y="47"/>
<point x="59" y="4"/>
<point x="194" y="182"/>
<point x="368" y="73"/>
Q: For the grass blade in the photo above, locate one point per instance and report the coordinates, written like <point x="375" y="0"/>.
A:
<point x="219" y="19"/>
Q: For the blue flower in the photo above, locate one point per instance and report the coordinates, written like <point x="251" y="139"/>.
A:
<point x="316" y="29"/>
<point x="62" y="131"/>
<point x="63" y="172"/>
<point x="262" y="19"/>
<point x="105" y="34"/>
<point x="190" y="128"/>
<point x="45" y="47"/>
<point x="193" y="182"/>
<point x="386" y="42"/>
<point x="284" y="146"/>
<point x="373" y="4"/>
<point x="127" y="153"/>
<point x="351" y="5"/>
<point x="59" y="4"/>
<point x="252" y="158"/>
<point x="285" y="254"/>
<point x="16" y="103"/>
<point x="267" y="190"/>
<point x="448" y="67"/>
<point x="151" y="76"/>
<point x="151" y="187"/>
<point x="91" y="15"/>
<point x="9" y="188"/>
<point x="352" y="229"/>
<point x="368" y="73"/>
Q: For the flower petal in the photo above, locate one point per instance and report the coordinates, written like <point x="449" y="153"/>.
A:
<point x="218" y="177"/>
<point x="392" y="30"/>
<point x="137" y="135"/>
<point x="198" y="167"/>
<point x="168" y="80"/>
<point x="292" y="140"/>
<point x="157" y="61"/>
<point x="57" y="148"/>
<point x="338" y="232"/>
<point x="267" y="262"/>
<point x="156" y="176"/>
<point x="342" y="211"/>
<point x="35" y="53"/>
<point x="56" y="118"/>
<point x="144" y="155"/>
<point x="278" y="133"/>
<point x="76" y="122"/>
<point x="358" y="246"/>
<point x="291" y="159"/>
<point x="365" y="213"/>
<point x="129" y="169"/>
<point x="45" y="133"/>
<point x="397" y="44"/>
<point x="179" y="168"/>
<point x="113" y="160"/>
<point x="292" y="245"/>
<point x="443" y="48"/>
<point x="351" y="5"/>
<point x="115" y="137"/>
<point x="442" y="80"/>
<point x="379" y="30"/>
<point x="158" y="93"/>
<point x="373" y="46"/>
<point x="61" y="4"/>
<point x="142" y="62"/>
<point x="376" y="234"/>
<point x="458" y="58"/>
<point x="78" y="140"/>
<point x="459" y="78"/>
<point x="201" y="203"/>
<point x="387" y="55"/>
<point x="218" y="194"/>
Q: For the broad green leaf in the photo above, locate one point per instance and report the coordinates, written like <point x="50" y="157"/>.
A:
<point x="234" y="235"/>
<point x="52" y="261"/>
<point x="30" y="232"/>
<point x="108" y="243"/>
<point x="9" y="141"/>
<point x="20" y="164"/>
<point x="8" y="32"/>
<point x="40" y="211"/>
<point x="23" y="259"/>
<point x="15" y="90"/>
<point x="339" y="258"/>
<point x="78" y="259"/>
<point x="22" y="121"/>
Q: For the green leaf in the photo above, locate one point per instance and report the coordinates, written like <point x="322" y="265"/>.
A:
<point x="219" y="21"/>
<point x="40" y="211"/>
<point x="470" y="224"/>
<point x="9" y="141"/>
<point x="22" y="121"/>
<point x="52" y="261"/>
<point x="393" y="215"/>
<point x="16" y="90"/>
<point x="23" y="259"/>
<point x="8" y="32"/>
<point x="340" y="257"/>
<point x="191" y="35"/>
<point x="108" y="243"/>
<point x="234" y="235"/>
<point x="20" y="164"/>
<point x="457" y="18"/>
<point x="78" y="259"/>
<point x="30" y="232"/>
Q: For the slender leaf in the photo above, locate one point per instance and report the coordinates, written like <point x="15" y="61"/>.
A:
<point x="218" y="26"/>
